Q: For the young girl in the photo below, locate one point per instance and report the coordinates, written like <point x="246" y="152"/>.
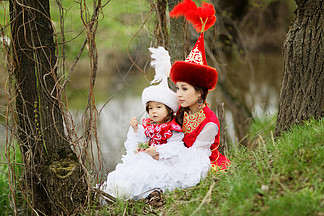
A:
<point x="150" y="148"/>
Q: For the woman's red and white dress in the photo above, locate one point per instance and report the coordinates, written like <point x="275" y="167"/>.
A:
<point x="202" y="139"/>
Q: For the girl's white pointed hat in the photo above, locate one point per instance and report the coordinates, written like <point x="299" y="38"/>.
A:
<point x="162" y="95"/>
<point x="161" y="92"/>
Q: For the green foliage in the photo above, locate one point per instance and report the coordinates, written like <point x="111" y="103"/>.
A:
<point x="118" y="23"/>
<point x="143" y="145"/>
<point x="15" y="162"/>
<point x="282" y="177"/>
<point x="4" y="189"/>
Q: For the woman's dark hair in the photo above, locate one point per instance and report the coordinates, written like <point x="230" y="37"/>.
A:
<point x="170" y="115"/>
<point x="203" y="91"/>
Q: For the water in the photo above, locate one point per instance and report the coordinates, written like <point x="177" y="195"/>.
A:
<point x="113" y="125"/>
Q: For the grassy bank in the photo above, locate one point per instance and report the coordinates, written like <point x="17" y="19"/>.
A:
<point x="282" y="177"/>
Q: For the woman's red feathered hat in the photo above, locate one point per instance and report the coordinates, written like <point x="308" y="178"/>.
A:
<point x="194" y="70"/>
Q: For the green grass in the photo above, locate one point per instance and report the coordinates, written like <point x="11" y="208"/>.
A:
<point x="16" y="161"/>
<point x="261" y="129"/>
<point x="282" y="177"/>
<point x="4" y="189"/>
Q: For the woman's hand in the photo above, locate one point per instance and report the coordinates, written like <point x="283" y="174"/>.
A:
<point x="152" y="152"/>
<point x="134" y="123"/>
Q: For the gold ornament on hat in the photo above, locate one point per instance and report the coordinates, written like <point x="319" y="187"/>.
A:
<point x="195" y="56"/>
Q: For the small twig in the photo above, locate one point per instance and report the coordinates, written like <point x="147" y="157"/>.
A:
<point x="221" y="117"/>
<point x="105" y="105"/>
<point x="272" y="139"/>
<point x="207" y="196"/>
<point x="129" y="56"/>
<point x="107" y="197"/>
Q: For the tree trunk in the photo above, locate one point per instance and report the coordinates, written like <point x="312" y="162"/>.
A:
<point x="178" y="35"/>
<point x="302" y="90"/>
<point x="236" y="84"/>
<point x="230" y="13"/>
<point x="54" y="179"/>
<point x="161" y="29"/>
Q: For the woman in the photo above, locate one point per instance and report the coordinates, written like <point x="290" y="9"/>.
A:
<point x="199" y="123"/>
<point x="193" y="79"/>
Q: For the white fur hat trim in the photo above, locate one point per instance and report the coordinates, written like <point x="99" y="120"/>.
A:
<point x="162" y="95"/>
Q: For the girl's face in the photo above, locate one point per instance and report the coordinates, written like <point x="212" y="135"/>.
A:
<point x="157" y="111"/>
<point x="187" y="94"/>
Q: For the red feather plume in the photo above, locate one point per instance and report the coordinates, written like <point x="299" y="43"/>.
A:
<point x="202" y="18"/>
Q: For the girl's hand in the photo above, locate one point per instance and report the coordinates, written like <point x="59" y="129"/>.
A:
<point x="134" y="123"/>
<point x="152" y="152"/>
<point x="136" y="150"/>
<point x="141" y="147"/>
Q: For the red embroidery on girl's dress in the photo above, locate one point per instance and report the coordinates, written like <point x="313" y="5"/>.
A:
<point x="159" y="133"/>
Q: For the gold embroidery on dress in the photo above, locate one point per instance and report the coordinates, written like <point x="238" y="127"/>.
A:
<point x="191" y="122"/>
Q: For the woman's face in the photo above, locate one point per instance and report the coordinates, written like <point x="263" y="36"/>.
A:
<point x="187" y="94"/>
<point x="157" y="111"/>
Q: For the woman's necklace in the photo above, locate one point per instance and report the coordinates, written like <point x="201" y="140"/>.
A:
<point x="192" y="121"/>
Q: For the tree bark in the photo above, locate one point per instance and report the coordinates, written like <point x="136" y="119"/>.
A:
<point x="302" y="91"/>
<point x="161" y="30"/>
<point x="235" y="86"/>
<point x="54" y="179"/>
<point x="178" y="35"/>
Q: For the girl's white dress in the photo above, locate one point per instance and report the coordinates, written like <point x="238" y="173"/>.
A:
<point x="139" y="174"/>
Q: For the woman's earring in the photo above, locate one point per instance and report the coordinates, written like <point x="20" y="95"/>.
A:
<point x="200" y="102"/>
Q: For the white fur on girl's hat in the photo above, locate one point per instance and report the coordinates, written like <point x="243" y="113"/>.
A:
<point x="162" y="95"/>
